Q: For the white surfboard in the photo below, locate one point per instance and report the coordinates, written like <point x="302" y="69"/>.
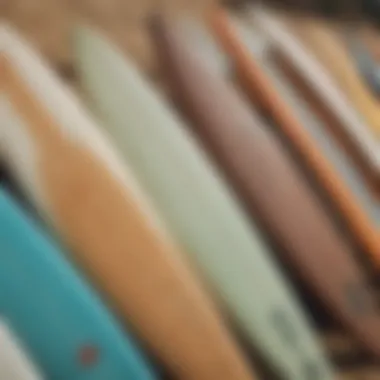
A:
<point x="199" y="209"/>
<point x="320" y="79"/>
<point x="15" y="363"/>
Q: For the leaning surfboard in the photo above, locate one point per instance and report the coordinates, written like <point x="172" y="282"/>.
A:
<point x="78" y="183"/>
<point x="269" y="91"/>
<point x="55" y="314"/>
<point x="270" y="186"/>
<point x="324" y="44"/>
<point x="319" y="89"/>
<point x="15" y="363"/>
<point x="198" y="208"/>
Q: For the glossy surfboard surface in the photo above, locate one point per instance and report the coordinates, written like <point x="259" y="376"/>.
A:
<point x="271" y="187"/>
<point x="15" y="364"/>
<point x="59" y="320"/>
<point x="198" y="208"/>
<point x="320" y="84"/>
<point x="324" y="43"/>
<point x="74" y="177"/>
<point x="268" y="90"/>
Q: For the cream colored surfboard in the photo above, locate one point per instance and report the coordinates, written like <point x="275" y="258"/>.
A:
<point x="199" y="209"/>
<point x="72" y="174"/>
<point x="15" y="364"/>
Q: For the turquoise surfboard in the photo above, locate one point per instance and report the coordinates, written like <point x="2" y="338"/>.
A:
<point x="57" y="317"/>
<point x="83" y="190"/>
<point x="199" y="209"/>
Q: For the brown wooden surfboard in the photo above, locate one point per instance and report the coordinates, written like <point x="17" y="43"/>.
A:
<point x="263" y="93"/>
<point x="76" y="180"/>
<point x="269" y="185"/>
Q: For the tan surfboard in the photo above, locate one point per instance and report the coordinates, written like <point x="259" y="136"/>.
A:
<point x="200" y="209"/>
<point x="77" y="182"/>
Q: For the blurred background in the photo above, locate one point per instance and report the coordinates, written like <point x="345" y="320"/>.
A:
<point x="47" y="24"/>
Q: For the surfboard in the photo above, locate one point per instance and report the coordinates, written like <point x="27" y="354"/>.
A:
<point x="199" y="208"/>
<point x="326" y="46"/>
<point x="268" y="90"/>
<point x="270" y="186"/>
<point x="56" y="315"/>
<point x="83" y="188"/>
<point x="318" y="83"/>
<point x="15" y="364"/>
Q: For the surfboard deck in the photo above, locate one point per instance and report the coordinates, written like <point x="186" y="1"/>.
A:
<point x="268" y="90"/>
<point x="77" y="181"/>
<point x="270" y="187"/>
<point x="55" y="314"/>
<point x="198" y="208"/>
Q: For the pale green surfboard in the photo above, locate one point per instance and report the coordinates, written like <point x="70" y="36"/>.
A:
<point x="199" y="209"/>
